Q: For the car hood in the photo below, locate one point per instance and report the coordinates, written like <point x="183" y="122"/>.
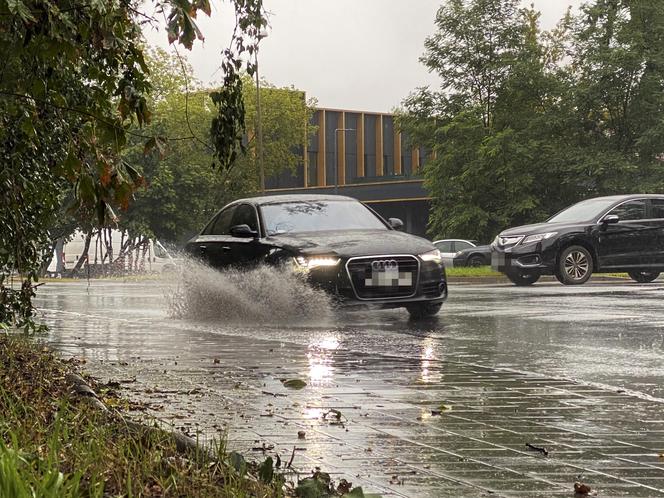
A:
<point x="475" y="249"/>
<point x="352" y="243"/>
<point x="539" y="228"/>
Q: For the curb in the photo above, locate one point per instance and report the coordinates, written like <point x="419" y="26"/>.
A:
<point x="489" y="280"/>
<point x="183" y="443"/>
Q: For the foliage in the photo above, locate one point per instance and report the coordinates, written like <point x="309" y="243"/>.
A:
<point x="73" y="87"/>
<point x="55" y="444"/>
<point x="182" y="191"/>
<point x="527" y="122"/>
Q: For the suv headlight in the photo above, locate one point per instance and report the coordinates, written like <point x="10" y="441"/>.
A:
<point x="434" y="256"/>
<point x="538" y="238"/>
<point x="309" y="263"/>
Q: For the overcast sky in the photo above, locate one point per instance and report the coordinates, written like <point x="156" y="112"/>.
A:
<point x="349" y="54"/>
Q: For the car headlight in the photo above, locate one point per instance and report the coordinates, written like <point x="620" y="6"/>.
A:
<point x="434" y="256"/>
<point x="538" y="238"/>
<point x="312" y="262"/>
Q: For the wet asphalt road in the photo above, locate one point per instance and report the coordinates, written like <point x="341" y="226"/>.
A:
<point x="576" y="369"/>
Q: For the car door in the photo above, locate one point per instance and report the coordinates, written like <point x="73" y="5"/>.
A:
<point x="215" y="243"/>
<point x="656" y="220"/>
<point x="247" y="251"/>
<point x="622" y="244"/>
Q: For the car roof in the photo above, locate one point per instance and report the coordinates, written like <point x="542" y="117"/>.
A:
<point x="454" y="240"/>
<point x="283" y="198"/>
<point x="626" y="197"/>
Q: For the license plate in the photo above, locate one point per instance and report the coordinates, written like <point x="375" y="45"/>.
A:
<point x="497" y="261"/>
<point x="390" y="277"/>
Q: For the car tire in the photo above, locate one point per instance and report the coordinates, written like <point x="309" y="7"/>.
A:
<point x="575" y="265"/>
<point x="475" y="261"/>
<point x="523" y="278"/>
<point x="643" y="277"/>
<point x="423" y="310"/>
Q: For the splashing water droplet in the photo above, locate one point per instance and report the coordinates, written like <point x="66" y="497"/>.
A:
<point x="264" y="294"/>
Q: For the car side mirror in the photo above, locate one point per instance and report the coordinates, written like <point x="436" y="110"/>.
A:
<point x="243" y="231"/>
<point x="610" y="219"/>
<point x="396" y="223"/>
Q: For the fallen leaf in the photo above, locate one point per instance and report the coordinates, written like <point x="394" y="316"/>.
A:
<point x="582" y="489"/>
<point x="344" y="487"/>
<point x="294" y="383"/>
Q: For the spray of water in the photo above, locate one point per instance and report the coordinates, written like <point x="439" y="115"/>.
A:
<point x="269" y="295"/>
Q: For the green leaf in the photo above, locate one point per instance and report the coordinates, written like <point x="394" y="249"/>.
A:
<point x="86" y="190"/>
<point x="238" y="462"/>
<point x="18" y="7"/>
<point x="266" y="471"/>
<point x="311" y="488"/>
<point x="28" y="127"/>
<point x="294" y="384"/>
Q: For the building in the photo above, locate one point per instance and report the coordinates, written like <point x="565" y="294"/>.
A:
<point x="372" y="163"/>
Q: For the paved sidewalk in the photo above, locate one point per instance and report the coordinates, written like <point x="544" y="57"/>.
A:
<point x="390" y="438"/>
<point x="430" y="424"/>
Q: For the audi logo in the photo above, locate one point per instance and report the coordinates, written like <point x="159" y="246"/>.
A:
<point x="384" y="264"/>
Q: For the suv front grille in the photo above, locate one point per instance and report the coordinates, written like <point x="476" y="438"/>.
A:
<point x="360" y="271"/>
<point x="509" y="241"/>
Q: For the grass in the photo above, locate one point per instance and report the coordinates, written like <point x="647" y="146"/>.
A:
<point x="56" y="444"/>
<point x="472" y="271"/>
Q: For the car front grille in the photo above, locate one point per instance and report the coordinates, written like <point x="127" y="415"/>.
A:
<point x="361" y="270"/>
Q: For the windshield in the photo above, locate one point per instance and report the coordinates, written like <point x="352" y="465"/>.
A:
<point x="318" y="216"/>
<point x="583" y="211"/>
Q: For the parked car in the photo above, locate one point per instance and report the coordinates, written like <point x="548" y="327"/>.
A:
<point x="460" y="252"/>
<point x="621" y="233"/>
<point x="340" y="244"/>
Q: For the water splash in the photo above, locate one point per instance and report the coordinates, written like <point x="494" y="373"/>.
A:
<point x="274" y="295"/>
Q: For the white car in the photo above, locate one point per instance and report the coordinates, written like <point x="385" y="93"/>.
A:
<point x="449" y="247"/>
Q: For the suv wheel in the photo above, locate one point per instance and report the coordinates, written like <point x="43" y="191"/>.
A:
<point x="522" y="277"/>
<point x="575" y="266"/>
<point x="423" y="310"/>
<point x="643" y="277"/>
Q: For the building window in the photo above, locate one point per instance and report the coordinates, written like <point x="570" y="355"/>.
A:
<point x="313" y="169"/>
<point x="369" y="146"/>
<point x="351" y="147"/>
<point x="388" y="146"/>
<point x="331" y="124"/>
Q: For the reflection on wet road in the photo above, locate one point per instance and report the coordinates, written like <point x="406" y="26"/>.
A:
<point x="437" y="408"/>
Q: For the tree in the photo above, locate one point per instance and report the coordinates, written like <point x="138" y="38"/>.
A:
<point x="527" y="122"/>
<point x="619" y="71"/>
<point x="72" y="87"/>
<point x="182" y="191"/>
<point x="484" y="124"/>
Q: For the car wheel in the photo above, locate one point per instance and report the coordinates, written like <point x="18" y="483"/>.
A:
<point x="476" y="261"/>
<point x="423" y="310"/>
<point x="523" y="278"/>
<point x="643" y="277"/>
<point x="575" y="266"/>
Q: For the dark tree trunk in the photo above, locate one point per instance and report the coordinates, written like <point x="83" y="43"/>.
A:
<point x="84" y="255"/>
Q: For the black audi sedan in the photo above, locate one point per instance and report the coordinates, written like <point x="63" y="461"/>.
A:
<point x="622" y="233"/>
<point x="338" y="243"/>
